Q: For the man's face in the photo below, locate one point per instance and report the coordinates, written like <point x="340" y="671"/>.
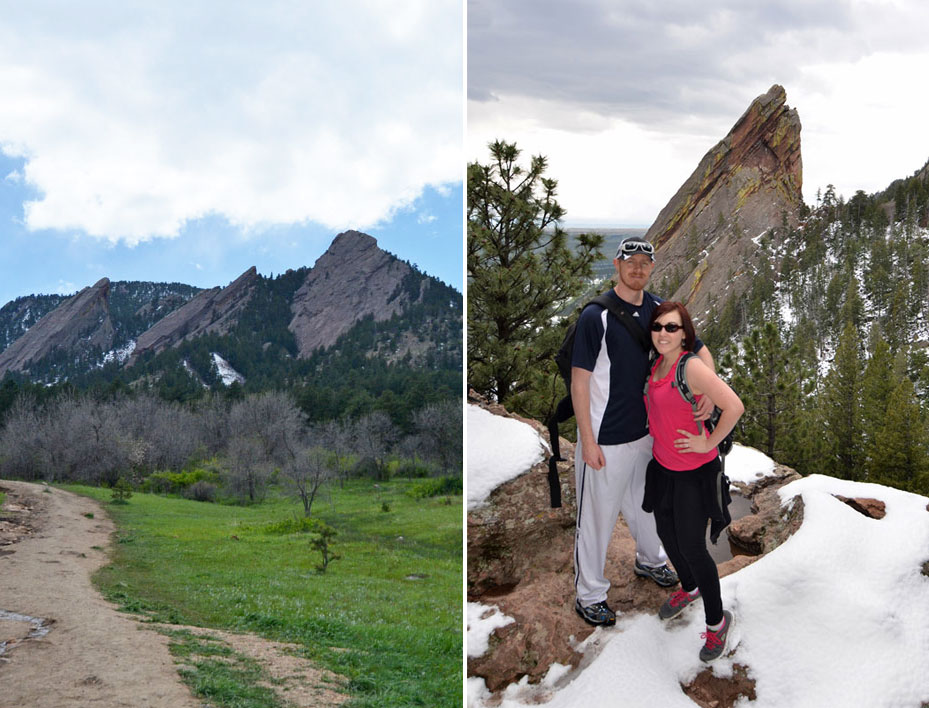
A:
<point x="634" y="272"/>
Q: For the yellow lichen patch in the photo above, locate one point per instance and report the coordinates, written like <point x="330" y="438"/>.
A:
<point x="698" y="277"/>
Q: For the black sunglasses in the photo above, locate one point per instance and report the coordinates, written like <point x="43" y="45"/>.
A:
<point x="670" y="327"/>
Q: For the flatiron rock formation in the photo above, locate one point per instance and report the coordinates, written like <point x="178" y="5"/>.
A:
<point x="352" y="279"/>
<point x="80" y="324"/>
<point x="747" y="185"/>
<point x="213" y="311"/>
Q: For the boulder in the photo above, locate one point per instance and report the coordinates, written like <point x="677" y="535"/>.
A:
<point x="872" y="508"/>
<point x="770" y="523"/>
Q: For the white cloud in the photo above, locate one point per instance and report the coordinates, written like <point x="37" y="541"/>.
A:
<point x="65" y="287"/>
<point x="132" y="122"/>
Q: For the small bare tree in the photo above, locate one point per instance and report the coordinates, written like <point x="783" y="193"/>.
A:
<point x="307" y="473"/>
<point x="374" y="438"/>
<point x="336" y="435"/>
<point x="271" y="419"/>
<point x="439" y="431"/>
<point x="247" y="474"/>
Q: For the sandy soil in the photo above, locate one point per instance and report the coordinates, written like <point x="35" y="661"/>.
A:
<point x="62" y="645"/>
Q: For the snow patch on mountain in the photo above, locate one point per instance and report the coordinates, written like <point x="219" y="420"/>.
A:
<point x="227" y="374"/>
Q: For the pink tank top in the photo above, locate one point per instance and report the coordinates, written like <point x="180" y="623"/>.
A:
<point x="668" y="411"/>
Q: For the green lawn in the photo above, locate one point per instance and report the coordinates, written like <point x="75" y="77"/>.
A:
<point x="386" y="614"/>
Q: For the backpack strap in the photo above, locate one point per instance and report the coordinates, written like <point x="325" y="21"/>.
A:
<point x="622" y="314"/>
<point x="680" y="383"/>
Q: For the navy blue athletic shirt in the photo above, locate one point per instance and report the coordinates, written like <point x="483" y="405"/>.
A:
<point x="618" y="366"/>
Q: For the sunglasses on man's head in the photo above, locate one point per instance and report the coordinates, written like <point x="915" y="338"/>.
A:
<point x="670" y="327"/>
<point x="630" y="247"/>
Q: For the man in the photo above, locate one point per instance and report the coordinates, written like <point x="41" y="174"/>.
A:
<point x="608" y="372"/>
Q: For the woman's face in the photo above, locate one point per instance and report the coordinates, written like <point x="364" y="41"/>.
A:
<point x="666" y="342"/>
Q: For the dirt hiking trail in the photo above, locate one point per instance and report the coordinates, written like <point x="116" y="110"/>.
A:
<point x="63" y="646"/>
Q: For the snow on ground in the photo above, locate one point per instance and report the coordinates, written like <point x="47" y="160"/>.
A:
<point x="225" y="370"/>
<point x="838" y="615"/>
<point x="499" y="449"/>
<point x="747" y="465"/>
<point x="119" y="355"/>
<point x="482" y="621"/>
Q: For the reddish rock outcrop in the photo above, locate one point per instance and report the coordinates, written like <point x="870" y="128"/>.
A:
<point x="769" y="524"/>
<point x="80" y="323"/>
<point x="748" y="184"/>
<point x="711" y="691"/>
<point x="212" y="311"/>
<point x="351" y="280"/>
<point x="872" y="508"/>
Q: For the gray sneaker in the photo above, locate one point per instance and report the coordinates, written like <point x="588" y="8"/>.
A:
<point x="716" y="641"/>
<point x="676" y="604"/>
<point x="599" y="614"/>
<point x="661" y="574"/>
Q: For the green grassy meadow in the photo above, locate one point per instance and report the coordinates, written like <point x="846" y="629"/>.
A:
<point x="386" y="615"/>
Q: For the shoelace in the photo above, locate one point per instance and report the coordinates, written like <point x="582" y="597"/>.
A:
<point x="680" y="597"/>
<point x="712" y="638"/>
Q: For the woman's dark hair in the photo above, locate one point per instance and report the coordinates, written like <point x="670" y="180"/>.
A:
<point x="690" y="334"/>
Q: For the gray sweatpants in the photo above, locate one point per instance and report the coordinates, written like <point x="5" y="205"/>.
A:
<point x="618" y="486"/>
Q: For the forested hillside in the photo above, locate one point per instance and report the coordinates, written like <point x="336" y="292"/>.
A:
<point x="829" y="350"/>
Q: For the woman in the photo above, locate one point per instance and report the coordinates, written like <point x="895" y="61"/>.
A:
<point x="683" y="474"/>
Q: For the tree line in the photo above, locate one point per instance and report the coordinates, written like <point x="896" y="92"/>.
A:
<point x="219" y="446"/>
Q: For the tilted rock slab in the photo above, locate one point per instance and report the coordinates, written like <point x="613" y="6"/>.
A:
<point x="748" y="184"/>
<point x="351" y="280"/>
<point x="80" y="323"/>
<point x="213" y="311"/>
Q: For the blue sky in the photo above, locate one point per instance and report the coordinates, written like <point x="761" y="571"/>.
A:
<point x="188" y="142"/>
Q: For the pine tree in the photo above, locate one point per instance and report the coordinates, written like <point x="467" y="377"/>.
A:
<point x="769" y="388"/>
<point x="898" y="327"/>
<point x="521" y="272"/>
<point x="903" y="450"/>
<point x="877" y="385"/>
<point x="842" y="409"/>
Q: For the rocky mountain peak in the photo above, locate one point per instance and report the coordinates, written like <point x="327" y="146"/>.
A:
<point x="82" y="323"/>
<point x="354" y="278"/>
<point x="351" y="243"/>
<point x="212" y="311"/>
<point x="747" y="184"/>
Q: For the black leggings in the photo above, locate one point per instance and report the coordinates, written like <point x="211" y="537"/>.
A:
<point x="681" y="518"/>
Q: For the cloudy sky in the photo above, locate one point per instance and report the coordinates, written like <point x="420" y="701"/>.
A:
<point x="626" y="96"/>
<point x="189" y="141"/>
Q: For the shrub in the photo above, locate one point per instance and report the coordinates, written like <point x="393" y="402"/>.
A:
<point x="325" y="534"/>
<point x="201" y="491"/>
<point x="121" y="491"/>
<point x="302" y="524"/>
<point x="368" y="467"/>
<point x="435" y="487"/>
<point x="410" y="470"/>
<point x="178" y="482"/>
